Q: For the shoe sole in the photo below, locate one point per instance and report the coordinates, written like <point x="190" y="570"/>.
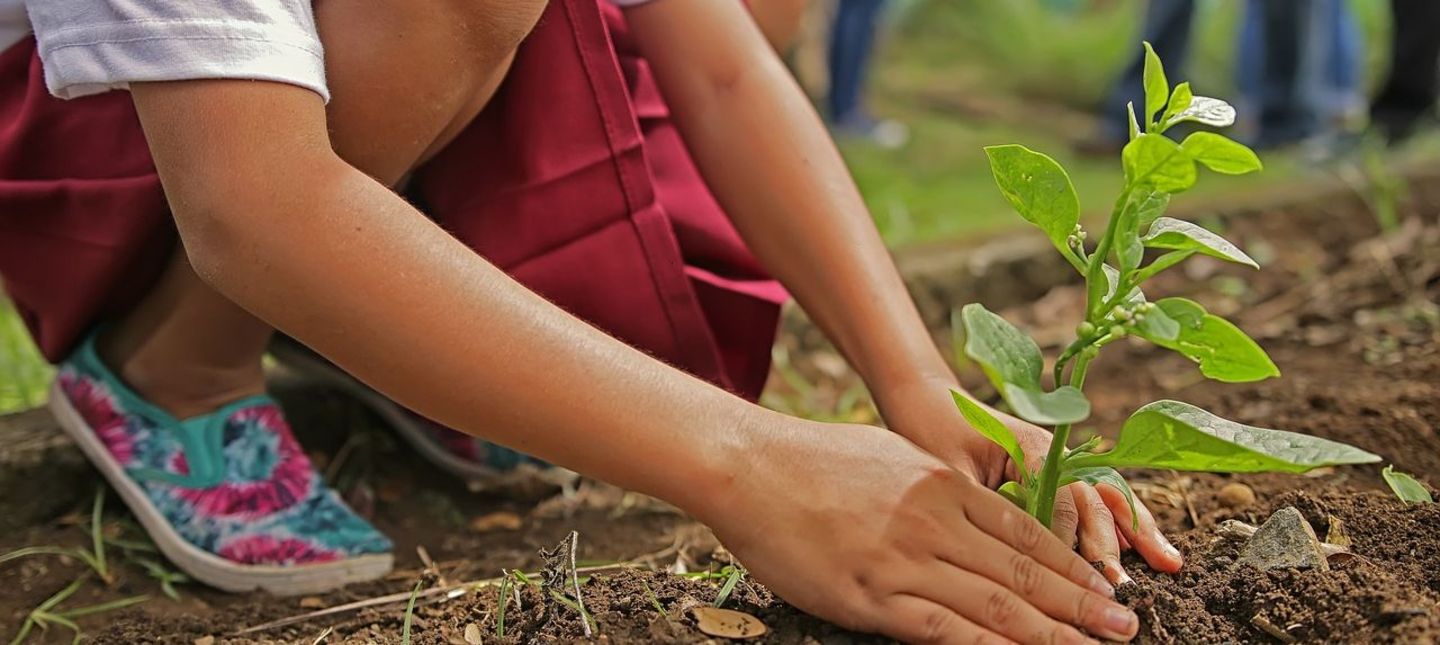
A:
<point x="316" y="368"/>
<point x="196" y="562"/>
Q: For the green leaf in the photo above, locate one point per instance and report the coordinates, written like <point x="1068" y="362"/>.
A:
<point x="1129" y="250"/>
<point x="1179" y="102"/>
<point x="1157" y="87"/>
<point x="1016" y="493"/>
<point x="1096" y="475"/>
<point x="1155" y="161"/>
<point x="1223" y="352"/>
<point x="1209" y="111"/>
<point x="1221" y="154"/>
<point x="1407" y="488"/>
<point x="1158" y="325"/>
<point x="1180" y="436"/>
<point x="991" y="428"/>
<point x="1112" y="282"/>
<point x="1150" y="206"/>
<point x="1063" y="405"/>
<point x="1038" y="188"/>
<point x="1180" y="235"/>
<point x="1013" y="363"/>
<point x="1134" y="125"/>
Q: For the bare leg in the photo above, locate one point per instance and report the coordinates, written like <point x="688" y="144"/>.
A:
<point x="405" y="78"/>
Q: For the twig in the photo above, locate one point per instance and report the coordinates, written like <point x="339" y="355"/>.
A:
<point x="575" y="578"/>
<point x="449" y="592"/>
<point x="1237" y="530"/>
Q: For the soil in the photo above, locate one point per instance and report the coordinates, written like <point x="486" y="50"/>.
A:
<point x="1350" y="317"/>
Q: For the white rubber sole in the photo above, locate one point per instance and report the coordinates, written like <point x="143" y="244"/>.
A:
<point x="196" y="562"/>
<point x="317" y="368"/>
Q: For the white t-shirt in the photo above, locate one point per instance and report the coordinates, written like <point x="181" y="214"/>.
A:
<point x="92" y="46"/>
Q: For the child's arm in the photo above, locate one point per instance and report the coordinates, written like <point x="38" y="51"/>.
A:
<point x="770" y="162"/>
<point x="851" y="522"/>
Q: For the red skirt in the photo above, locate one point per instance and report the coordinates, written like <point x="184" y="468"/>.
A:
<point x="573" y="180"/>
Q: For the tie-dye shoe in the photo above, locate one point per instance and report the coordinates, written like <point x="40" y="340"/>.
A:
<point x="229" y="497"/>
<point x="477" y="461"/>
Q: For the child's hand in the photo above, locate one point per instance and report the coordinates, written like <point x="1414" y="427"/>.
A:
<point x="1095" y="517"/>
<point x="859" y="526"/>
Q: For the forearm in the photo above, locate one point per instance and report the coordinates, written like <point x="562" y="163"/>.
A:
<point x="335" y="259"/>
<point x="771" y="164"/>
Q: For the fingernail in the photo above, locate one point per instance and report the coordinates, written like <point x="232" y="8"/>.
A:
<point x="1167" y="547"/>
<point x="1120" y="620"/>
<point x="1125" y="579"/>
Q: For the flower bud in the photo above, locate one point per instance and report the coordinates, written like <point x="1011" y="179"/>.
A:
<point x="1085" y="329"/>
<point x="1117" y="331"/>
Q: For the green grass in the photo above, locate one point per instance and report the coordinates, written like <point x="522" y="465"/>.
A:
<point x="24" y="376"/>
<point x="964" y="74"/>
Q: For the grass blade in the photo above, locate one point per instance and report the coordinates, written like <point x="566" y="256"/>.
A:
<point x="726" y="589"/>
<point x="410" y="612"/>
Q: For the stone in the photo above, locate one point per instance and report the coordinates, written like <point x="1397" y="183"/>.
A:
<point x="1284" y="541"/>
<point x="1236" y="495"/>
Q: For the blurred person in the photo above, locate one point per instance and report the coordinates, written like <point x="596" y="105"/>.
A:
<point x="1412" y="87"/>
<point x="1298" y="68"/>
<point x="1167" y="28"/>
<point x="852" y="44"/>
<point x="588" y="284"/>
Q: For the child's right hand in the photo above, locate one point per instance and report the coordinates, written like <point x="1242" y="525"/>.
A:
<point x="859" y="526"/>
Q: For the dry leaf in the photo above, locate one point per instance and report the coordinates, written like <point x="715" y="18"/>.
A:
<point x="497" y="521"/>
<point x="727" y="623"/>
<point x="1337" y="534"/>
<point x="473" y="635"/>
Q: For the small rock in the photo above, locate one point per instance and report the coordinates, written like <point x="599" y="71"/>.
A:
<point x="497" y="521"/>
<point x="1284" y="541"/>
<point x="473" y="636"/>
<point x="1236" y="495"/>
<point x="205" y="640"/>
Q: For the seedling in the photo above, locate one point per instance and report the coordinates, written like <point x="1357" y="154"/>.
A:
<point x="1164" y="434"/>
<point x="94" y="558"/>
<point x="736" y="573"/>
<point x="1407" y="488"/>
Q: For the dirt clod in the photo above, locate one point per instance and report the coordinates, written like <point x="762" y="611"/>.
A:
<point x="1236" y="496"/>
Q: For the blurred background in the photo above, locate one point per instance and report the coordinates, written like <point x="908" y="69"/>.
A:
<point x="1328" y="90"/>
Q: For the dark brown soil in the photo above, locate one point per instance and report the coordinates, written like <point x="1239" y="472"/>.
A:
<point x="1353" y="324"/>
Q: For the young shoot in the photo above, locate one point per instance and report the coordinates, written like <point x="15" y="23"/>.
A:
<point x="1164" y="434"/>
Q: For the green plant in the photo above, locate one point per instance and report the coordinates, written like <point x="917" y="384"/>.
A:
<point x="45" y="614"/>
<point x="94" y="558"/>
<point x="1164" y="434"/>
<point x="1407" y="488"/>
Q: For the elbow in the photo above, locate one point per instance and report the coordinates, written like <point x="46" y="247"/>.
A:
<point x="226" y="223"/>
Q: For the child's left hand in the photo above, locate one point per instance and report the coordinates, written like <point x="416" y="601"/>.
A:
<point x="1095" y="518"/>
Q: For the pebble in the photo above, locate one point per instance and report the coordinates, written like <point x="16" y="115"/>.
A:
<point x="1284" y="541"/>
<point x="1236" y="495"/>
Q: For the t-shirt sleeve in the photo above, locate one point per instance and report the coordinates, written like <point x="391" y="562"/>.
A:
<point x="91" y="46"/>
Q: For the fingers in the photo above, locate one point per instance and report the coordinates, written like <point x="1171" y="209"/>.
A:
<point x="916" y="620"/>
<point x="1050" y="593"/>
<point x="1049" y="613"/>
<point x="1098" y="538"/>
<point x="1065" y="519"/>
<point x="1000" y="519"/>
<point x="1148" y="541"/>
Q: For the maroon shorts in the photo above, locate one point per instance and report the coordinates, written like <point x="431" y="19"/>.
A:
<point x="574" y="180"/>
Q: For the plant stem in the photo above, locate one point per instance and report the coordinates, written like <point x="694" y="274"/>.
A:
<point x="1050" y="472"/>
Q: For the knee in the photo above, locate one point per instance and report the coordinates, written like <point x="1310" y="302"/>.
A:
<point x="495" y="27"/>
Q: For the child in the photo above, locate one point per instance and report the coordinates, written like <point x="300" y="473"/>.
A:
<point x="571" y="192"/>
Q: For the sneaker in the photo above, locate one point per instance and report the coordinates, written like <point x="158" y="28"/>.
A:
<point x="479" y="462"/>
<point x="229" y="497"/>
